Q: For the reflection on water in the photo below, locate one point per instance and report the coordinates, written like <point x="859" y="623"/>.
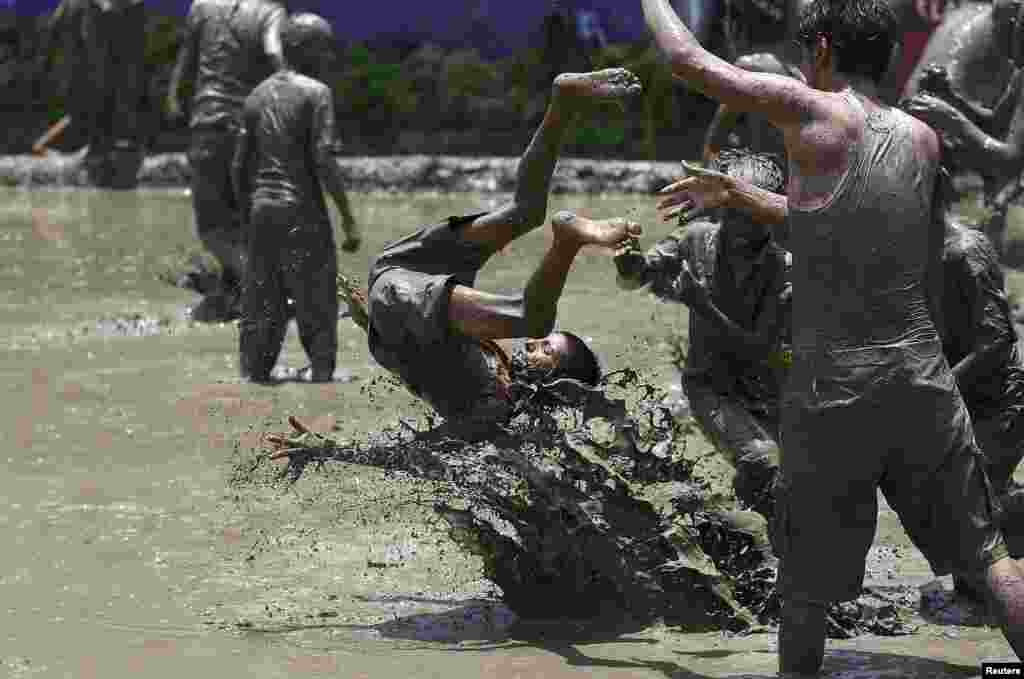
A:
<point x="129" y="551"/>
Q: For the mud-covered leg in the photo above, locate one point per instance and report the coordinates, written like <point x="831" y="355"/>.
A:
<point x="316" y="310"/>
<point x="1005" y="580"/>
<point x="801" y="638"/>
<point x="571" y="94"/>
<point x="264" y="323"/>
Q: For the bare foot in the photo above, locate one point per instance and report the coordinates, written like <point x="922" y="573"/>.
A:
<point x="579" y="231"/>
<point x="611" y="83"/>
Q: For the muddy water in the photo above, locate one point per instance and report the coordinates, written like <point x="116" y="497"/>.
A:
<point x="129" y="547"/>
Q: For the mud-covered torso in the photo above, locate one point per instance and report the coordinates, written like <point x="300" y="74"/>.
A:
<point x="859" y="260"/>
<point x="745" y="302"/>
<point x="231" y="59"/>
<point x="289" y="121"/>
<point x="976" y="316"/>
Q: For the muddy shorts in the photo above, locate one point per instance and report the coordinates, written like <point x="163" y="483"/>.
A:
<point x="863" y="419"/>
<point x="746" y="439"/>
<point x="410" y="286"/>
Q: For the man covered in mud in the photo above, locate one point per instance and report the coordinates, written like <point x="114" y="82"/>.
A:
<point x="733" y="276"/>
<point x="981" y="345"/>
<point x="287" y="148"/>
<point x="984" y="140"/>
<point x="870" y="400"/>
<point x="429" y="326"/>
<point x="230" y="47"/>
<point x="107" y="80"/>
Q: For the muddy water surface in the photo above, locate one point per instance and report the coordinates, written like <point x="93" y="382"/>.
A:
<point x="131" y="545"/>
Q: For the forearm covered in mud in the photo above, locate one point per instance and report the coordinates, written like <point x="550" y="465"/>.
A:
<point x="333" y="181"/>
<point x="272" y="42"/>
<point x="984" y="153"/>
<point x="184" y="71"/>
<point x="764" y="207"/>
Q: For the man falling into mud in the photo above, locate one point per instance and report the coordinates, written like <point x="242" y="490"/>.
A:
<point x="733" y="277"/>
<point x="870" y="400"/>
<point x="230" y="47"/>
<point x="429" y="326"/>
<point x="288" y="147"/>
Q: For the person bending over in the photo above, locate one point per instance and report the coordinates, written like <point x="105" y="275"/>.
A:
<point x="287" y="148"/>
<point x="733" y="276"/>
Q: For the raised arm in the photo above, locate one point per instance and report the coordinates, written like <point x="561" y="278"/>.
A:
<point x="784" y="101"/>
<point x="703" y="190"/>
<point x="327" y="151"/>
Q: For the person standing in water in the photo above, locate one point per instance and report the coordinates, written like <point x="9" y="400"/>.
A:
<point x="230" y="47"/>
<point x="870" y="400"/>
<point x="287" y="148"/>
<point x="734" y="278"/>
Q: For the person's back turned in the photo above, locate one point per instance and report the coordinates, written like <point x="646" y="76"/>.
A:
<point x="861" y="259"/>
<point x="281" y="117"/>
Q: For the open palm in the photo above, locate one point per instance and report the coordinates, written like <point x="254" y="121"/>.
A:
<point x="701" y="190"/>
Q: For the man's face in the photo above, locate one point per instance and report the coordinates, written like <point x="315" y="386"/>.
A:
<point x="547" y="353"/>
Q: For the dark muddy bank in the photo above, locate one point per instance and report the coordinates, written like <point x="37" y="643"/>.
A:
<point x="388" y="173"/>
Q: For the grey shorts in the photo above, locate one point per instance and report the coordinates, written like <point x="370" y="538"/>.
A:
<point x="889" y="418"/>
<point x="410" y="288"/>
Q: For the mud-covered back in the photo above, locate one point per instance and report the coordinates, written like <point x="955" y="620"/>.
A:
<point x="231" y="58"/>
<point x="859" y="261"/>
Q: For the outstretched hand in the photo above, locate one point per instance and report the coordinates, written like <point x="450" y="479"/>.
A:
<point x="700" y="191"/>
<point x="936" y="113"/>
<point x="935" y="80"/>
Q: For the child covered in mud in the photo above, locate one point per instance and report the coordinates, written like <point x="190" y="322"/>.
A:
<point x="733" y="277"/>
<point x="430" y="327"/>
<point x="288" y="147"/>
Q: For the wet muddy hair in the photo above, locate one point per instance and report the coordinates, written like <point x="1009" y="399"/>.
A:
<point x="300" y="34"/>
<point x="580" y="364"/>
<point x="861" y="32"/>
<point x="760" y="169"/>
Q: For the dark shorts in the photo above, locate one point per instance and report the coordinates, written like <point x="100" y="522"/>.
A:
<point x="410" y="286"/>
<point x="889" y="418"/>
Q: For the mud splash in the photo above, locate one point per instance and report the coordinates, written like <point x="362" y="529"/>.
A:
<point x="575" y="512"/>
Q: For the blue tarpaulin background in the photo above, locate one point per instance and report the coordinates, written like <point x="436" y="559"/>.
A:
<point x="493" y="26"/>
